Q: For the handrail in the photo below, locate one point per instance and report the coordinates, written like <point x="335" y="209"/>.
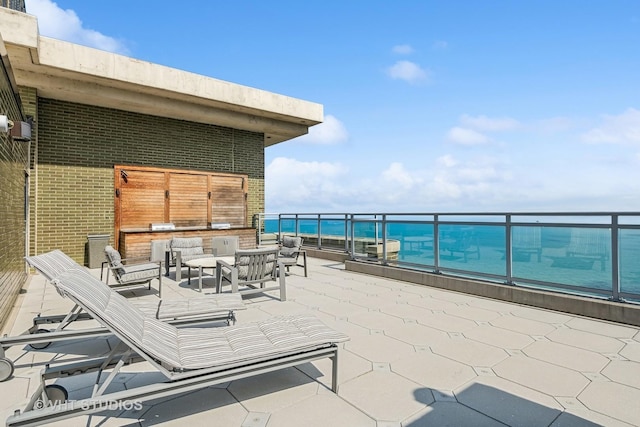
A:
<point x="586" y="253"/>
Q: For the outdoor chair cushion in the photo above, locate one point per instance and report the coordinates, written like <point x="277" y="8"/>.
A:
<point x="115" y="260"/>
<point x="244" y="259"/>
<point x="290" y="246"/>
<point x="189" y="247"/>
<point x="138" y="272"/>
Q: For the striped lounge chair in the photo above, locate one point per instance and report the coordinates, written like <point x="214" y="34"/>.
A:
<point x="189" y="358"/>
<point x="188" y="311"/>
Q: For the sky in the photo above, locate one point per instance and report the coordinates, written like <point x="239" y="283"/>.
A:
<point x="429" y="105"/>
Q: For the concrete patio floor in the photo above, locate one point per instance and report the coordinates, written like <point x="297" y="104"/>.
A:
<point x="417" y="356"/>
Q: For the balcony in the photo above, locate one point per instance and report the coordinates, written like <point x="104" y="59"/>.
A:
<point x="417" y="356"/>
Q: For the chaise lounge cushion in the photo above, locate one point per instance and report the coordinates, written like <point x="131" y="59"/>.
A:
<point x="195" y="348"/>
<point x="54" y="263"/>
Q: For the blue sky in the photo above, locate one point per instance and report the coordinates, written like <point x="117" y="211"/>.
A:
<point x="430" y="106"/>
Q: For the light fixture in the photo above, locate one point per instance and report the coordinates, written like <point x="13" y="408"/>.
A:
<point x="5" y="124"/>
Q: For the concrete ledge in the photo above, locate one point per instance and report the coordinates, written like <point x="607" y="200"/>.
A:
<point x="324" y="254"/>
<point x="590" y="307"/>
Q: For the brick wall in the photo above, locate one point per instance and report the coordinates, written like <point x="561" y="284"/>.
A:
<point x="29" y="100"/>
<point x="13" y="162"/>
<point x="78" y="145"/>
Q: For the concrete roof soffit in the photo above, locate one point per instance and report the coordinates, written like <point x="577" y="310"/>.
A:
<point x="67" y="71"/>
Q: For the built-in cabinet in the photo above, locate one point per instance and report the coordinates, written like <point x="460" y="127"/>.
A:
<point x="188" y="199"/>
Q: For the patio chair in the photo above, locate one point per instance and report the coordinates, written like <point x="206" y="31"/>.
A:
<point x="183" y="249"/>
<point x="290" y="251"/>
<point x="252" y="269"/>
<point x="191" y="311"/>
<point x="188" y="358"/>
<point x="129" y="274"/>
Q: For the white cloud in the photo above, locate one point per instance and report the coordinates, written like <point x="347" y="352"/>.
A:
<point x="403" y="49"/>
<point x="464" y="136"/>
<point x="408" y="71"/>
<point x="65" y="24"/>
<point x="398" y="175"/>
<point x="330" y="131"/>
<point x="621" y="129"/>
<point x="447" y="160"/>
<point x="291" y="184"/>
<point x="295" y="186"/>
<point x="488" y="124"/>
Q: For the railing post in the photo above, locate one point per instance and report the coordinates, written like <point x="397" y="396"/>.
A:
<point x="384" y="239"/>
<point x="351" y="251"/>
<point x="279" y="227"/>
<point x="615" y="264"/>
<point x="436" y="244"/>
<point x="319" y="232"/>
<point x="346" y="233"/>
<point x="508" y="254"/>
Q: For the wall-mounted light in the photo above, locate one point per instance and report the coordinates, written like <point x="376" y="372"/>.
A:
<point x="5" y="124"/>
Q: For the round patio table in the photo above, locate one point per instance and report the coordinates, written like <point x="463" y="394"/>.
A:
<point x="205" y="262"/>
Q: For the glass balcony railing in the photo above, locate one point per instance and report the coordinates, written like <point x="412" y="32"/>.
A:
<point x="588" y="254"/>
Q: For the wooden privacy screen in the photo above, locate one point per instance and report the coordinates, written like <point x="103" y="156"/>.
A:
<point x="147" y="195"/>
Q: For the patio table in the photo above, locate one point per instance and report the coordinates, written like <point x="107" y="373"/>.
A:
<point x="205" y="262"/>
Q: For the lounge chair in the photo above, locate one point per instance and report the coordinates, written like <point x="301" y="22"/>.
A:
<point x="178" y="312"/>
<point x="252" y="269"/>
<point x="189" y="358"/>
<point x="127" y="273"/>
<point x="290" y="252"/>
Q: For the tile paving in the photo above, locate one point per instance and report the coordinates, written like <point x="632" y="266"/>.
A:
<point x="417" y="356"/>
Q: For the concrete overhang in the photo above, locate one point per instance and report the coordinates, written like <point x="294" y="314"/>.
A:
<point x="70" y="72"/>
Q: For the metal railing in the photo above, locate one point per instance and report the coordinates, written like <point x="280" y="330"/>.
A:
<point x="593" y="254"/>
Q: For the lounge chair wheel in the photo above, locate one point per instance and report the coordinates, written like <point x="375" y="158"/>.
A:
<point x="6" y="369"/>
<point x="56" y="393"/>
<point x="40" y="345"/>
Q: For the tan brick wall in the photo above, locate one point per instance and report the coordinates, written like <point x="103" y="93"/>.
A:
<point x="13" y="162"/>
<point x="78" y="145"/>
<point x="29" y="99"/>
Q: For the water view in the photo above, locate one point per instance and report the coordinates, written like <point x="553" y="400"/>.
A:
<point x="575" y="258"/>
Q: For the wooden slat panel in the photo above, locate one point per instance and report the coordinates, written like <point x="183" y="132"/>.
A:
<point x="146" y="195"/>
<point x="141" y="199"/>
<point x="188" y="200"/>
<point x="228" y="201"/>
